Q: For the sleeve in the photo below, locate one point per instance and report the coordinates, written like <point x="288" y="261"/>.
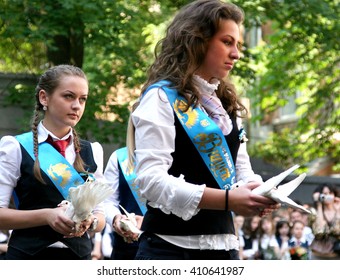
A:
<point x="98" y="155"/>
<point x="10" y="160"/>
<point x="155" y="141"/>
<point x="111" y="175"/>
<point x="244" y="170"/>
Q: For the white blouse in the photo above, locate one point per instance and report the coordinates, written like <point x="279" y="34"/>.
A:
<point x="155" y="141"/>
<point x="10" y="161"/>
<point x="111" y="175"/>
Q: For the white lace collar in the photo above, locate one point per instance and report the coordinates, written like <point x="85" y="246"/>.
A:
<point x="206" y="87"/>
<point x="211" y="104"/>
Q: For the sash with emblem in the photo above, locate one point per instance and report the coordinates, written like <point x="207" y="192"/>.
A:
<point x="53" y="164"/>
<point x="130" y="175"/>
<point x="206" y="136"/>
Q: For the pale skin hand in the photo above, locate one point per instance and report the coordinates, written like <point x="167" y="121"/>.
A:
<point x="59" y="222"/>
<point x="128" y="236"/>
<point x="85" y="225"/>
<point x="20" y="219"/>
<point x="241" y="200"/>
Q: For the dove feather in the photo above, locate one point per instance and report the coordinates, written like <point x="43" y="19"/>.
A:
<point x="131" y="223"/>
<point x="280" y="193"/>
<point x="288" y="188"/>
<point x="84" y="198"/>
<point x="286" y="200"/>
<point x="274" y="181"/>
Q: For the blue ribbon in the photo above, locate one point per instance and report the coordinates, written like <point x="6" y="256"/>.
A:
<point x="53" y="164"/>
<point x="211" y="144"/>
<point x="130" y="175"/>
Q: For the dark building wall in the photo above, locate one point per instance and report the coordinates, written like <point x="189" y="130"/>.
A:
<point x="11" y="115"/>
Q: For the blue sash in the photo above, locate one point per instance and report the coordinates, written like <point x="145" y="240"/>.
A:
<point x="130" y="175"/>
<point x="53" y="164"/>
<point x="211" y="144"/>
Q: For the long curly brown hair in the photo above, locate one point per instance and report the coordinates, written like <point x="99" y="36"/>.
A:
<point x="182" y="51"/>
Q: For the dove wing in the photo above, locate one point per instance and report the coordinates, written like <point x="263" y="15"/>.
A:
<point x="288" y="188"/>
<point x="130" y="216"/>
<point x="124" y="210"/>
<point x="87" y="196"/>
<point x="286" y="200"/>
<point x="273" y="181"/>
<point x="130" y="224"/>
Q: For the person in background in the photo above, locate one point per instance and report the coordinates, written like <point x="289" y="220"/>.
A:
<point x="188" y="142"/>
<point x="282" y="234"/>
<point x="238" y="223"/>
<point x="38" y="176"/>
<point x="4" y="237"/>
<point x="296" y="215"/>
<point x="102" y="244"/>
<point x="249" y="240"/>
<point x="281" y="214"/>
<point x="268" y="245"/>
<point x="298" y="244"/>
<point x="326" y="226"/>
<point x="125" y="242"/>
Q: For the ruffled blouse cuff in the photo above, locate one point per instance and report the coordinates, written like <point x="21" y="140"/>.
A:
<point x="227" y="242"/>
<point x="183" y="200"/>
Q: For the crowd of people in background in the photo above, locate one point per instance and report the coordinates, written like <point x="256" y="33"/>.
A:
<point x="291" y="234"/>
<point x="285" y="234"/>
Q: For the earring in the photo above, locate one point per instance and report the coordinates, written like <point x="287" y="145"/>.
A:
<point x="44" y="108"/>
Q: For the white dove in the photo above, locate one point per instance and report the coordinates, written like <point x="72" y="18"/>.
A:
<point x="280" y="194"/>
<point x="129" y="224"/>
<point x="84" y="198"/>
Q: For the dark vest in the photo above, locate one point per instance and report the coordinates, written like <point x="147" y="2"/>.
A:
<point x="187" y="161"/>
<point x="248" y="242"/>
<point x="34" y="195"/>
<point x="292" y="244"/>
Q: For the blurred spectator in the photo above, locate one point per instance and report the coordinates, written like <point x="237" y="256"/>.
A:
<point x="281" y="214"/>
<point x="268" y="245"/>
<point x="238" y="223"/>
<point x="4" y="237"/>
<point x="296" y="215"/>
<point x="249" y="239"/>
<point x="298" y="244"/>
<point x="102" y="244"/>
<point x="326" y="225"/>
<point x="282" y="234"/>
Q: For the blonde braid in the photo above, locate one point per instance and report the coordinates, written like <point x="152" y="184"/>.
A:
<point x="35" y="122"/>
<point x="79" y="164"/>
<point x="130" y="138"/>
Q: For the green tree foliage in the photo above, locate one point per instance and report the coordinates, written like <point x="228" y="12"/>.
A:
<point x="113" y="40"/>
<point x="110" y="40"/>
<point x="300" y="58"/>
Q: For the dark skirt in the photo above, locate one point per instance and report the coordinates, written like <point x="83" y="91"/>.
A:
<point x="152" y="247"/>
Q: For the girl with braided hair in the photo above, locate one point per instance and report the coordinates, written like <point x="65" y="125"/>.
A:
<point x="36" y="172"/>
